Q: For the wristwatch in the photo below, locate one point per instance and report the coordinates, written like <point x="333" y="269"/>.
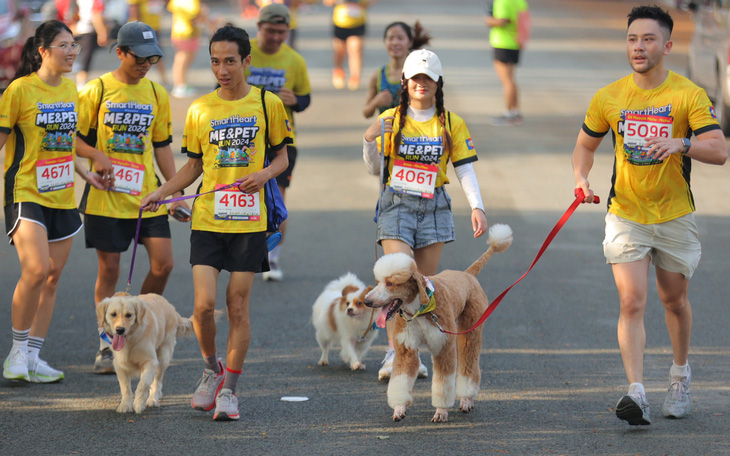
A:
<point x="687" y="145"/>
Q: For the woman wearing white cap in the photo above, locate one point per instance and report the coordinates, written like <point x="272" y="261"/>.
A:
<point x="414" y="215"/>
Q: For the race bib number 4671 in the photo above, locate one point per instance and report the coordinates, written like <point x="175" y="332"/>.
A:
<point x="55" y="173"/>
<point x="413" y="178"/>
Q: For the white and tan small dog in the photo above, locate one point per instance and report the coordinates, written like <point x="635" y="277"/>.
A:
<point x="339" y="315"/>
<point x="144" y="330"/>
<point x="451" y="300"/>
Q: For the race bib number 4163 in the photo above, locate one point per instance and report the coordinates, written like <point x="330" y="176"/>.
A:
<point x="55" y="173"/>
<point x="233" y="204"/>
<point x="413" y="178"/>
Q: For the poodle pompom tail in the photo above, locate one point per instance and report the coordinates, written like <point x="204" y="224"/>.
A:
<point x="500" y="237"/>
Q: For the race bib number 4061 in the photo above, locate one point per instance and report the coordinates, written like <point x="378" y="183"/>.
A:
<point x="233" y="204"/>
<point x="55" y="173"/>
<point x="413" y="178"/>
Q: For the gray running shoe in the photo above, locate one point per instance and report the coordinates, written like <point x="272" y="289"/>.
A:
<point x="208" y="388"/>
<point x="226" y="406"/>
<point x="678" y="403"/>
<point x="634" y="408"/>
<point x="104" y="362"/>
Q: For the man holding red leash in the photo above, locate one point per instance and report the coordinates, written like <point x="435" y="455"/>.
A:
<point x="652" y="114"/>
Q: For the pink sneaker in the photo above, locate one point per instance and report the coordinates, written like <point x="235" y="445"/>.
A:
<point x="208" y="388"/>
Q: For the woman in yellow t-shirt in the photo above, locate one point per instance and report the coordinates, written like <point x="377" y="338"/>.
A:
<point x="414" y="210"/>
<point x="348" y="19"/>
<point x="40" y="207"/>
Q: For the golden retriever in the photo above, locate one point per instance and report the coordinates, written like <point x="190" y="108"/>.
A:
<point x="144" y="330"/>
<point x="459" y="303"/>
<point x="339" y="315"/>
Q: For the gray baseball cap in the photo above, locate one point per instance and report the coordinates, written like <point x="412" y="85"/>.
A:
<point x="140" y="38"/>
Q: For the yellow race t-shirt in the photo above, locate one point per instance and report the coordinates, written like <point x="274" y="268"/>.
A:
<point x="422" y="157"/>
<point x="184" y="13"/>
<point x="228" y="136"/>
<point x="286" y="68"/>
<point x="646" y="190"/>
<point x="129" y="121"/>
<point x="39" y="153"/>
<point x="350" y="14"/>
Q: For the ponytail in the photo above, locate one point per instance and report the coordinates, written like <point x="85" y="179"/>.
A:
<point x="420" y="37"/>
<point x="30" y="59"/>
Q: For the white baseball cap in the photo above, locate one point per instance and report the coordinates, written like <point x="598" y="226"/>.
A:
<point x="423" y="61"/>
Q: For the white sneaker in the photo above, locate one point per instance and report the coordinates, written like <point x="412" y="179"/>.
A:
<point x="183" y="91"/>
<point x="678" y="403"/>
<point x="40" y="372"/>
<point x="274" y="274"/>
<point x="15" y="366"/>
<point x="387" y="369"/>
<point x="634" y="408"/>
<point x="226" y="406"/>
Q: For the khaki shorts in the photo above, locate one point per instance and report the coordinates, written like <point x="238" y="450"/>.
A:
<point x="673" y="246"/>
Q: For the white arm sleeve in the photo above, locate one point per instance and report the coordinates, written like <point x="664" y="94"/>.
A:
<point x="371" y="156"/>
<point x="468" y="179"/>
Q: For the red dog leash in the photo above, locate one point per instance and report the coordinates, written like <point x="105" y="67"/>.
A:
<point x="579" y="196"/>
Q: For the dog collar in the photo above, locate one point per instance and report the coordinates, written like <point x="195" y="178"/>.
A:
<point x="425" y="308"/>
<point x="105" y="336"/>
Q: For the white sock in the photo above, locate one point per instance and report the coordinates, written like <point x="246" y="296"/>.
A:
<point x="637" y="388"/>
<point x="679" y="371"/>
<point x="513" y="113"/>
<point x="34" y="346"/>
<point x="274" y="254"/>
<point x="20" y="340"/>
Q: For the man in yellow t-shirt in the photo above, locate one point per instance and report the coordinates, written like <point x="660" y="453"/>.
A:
<point x="281" y="70"/>
<point x="652" y="114"/>
<point x="224" y="139"/>
<point x="502" y="18"/>
<point x="127" y="117"/>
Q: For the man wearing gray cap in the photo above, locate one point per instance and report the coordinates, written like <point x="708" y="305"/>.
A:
<point x="280" y="69"/>
<point x="127" y="117"/>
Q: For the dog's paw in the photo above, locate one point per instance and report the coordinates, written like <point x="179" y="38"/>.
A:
<point x="357" y="366"/>
<point x="124" y="407"/>
<point x="399" y="413"/>
<point x="139" y="406"/>
<point x="466" y="404"/>
<point x="153" y="402"/>
<point x="441" y="416"/>
<point x="323" y="362"/>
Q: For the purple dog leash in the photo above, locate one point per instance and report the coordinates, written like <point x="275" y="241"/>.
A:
<point x="139" y="224"/>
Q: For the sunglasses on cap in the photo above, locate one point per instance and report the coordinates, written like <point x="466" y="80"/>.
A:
<point x="141" y="60"/>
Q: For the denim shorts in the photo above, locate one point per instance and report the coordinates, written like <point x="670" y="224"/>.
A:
<point x="673" y="246"/>
<point x="417" y="221"/>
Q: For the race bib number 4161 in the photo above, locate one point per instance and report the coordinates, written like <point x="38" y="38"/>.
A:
<point x="413" y="178"/>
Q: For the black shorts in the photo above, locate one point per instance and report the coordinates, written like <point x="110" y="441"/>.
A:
<point x="284" y="179"/>
<point x="234" y="252"/>
<point x="114" y="235"/>
<point x="507" y="55"/>
<point x="344" y="33"/>
<point x="60" y="224"/>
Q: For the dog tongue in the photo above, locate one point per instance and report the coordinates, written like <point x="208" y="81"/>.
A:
<point x="382" y="316"/>
<point x="118" y="342"/>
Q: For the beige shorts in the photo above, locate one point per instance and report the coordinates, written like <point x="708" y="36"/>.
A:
<point x="673" y="246"/>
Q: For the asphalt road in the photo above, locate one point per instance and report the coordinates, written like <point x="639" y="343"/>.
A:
<point x="552" y="372"/>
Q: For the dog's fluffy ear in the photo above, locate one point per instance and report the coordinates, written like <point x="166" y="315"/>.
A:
<point x="101" y="312"/>
<point x="421" y="281"/>
<point x="140" y="310"/>
<point x="348" y="289"/>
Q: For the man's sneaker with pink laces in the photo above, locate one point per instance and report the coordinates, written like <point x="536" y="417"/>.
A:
<point x="208" y="388"/>
<point x="226" y="406"/>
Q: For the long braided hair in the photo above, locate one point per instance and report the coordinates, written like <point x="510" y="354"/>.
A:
<point x="402" y="111"/>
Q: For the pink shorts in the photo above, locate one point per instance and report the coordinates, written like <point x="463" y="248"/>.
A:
<point x="188" y="45"/>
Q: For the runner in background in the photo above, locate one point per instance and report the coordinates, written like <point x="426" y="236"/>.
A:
<point x="281" y="70"/>
<point x="348" y="20"/>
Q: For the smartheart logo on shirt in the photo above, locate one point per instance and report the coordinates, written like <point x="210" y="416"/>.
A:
<point x="59" y="122"/>
<point x="234" y="137"/>
<point x="129" y="123"/>
<point x="269" y="78"/>
<point x="421" y="149"/>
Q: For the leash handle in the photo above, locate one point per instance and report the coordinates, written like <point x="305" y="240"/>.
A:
<point x="579" y="197"/>
<point x="139" y="224"/>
